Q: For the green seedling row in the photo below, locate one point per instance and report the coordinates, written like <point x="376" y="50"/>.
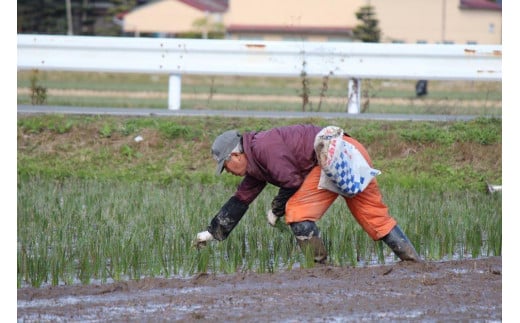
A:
<point x="72" y="231"/>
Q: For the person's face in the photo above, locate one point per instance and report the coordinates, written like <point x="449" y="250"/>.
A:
<point x="236" y="164"/>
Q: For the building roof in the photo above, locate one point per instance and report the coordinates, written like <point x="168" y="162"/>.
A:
<point x="216" y="6"/>
<point x="481" y="4"/>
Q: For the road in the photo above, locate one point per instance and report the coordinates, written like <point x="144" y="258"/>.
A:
<point x="39" y="109"/>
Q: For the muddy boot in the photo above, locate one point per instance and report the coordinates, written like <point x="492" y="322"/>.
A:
<point x="308" y="236"/>
<point x="400" y="245"/>
<point x="316" y="245"/>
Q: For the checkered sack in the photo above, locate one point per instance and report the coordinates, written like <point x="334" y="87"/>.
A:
<point x="344" y="169"/>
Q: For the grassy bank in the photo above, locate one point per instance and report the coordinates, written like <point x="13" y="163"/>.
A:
<point x="457" y="155"/>
<point x="94" y="203"/>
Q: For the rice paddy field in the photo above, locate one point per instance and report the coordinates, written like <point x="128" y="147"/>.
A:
<point x="108" y="207"/>
<point x="94" y="204"/>
<point x="75" y="230"/>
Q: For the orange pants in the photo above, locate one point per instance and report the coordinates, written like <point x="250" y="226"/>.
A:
<point x="310" y="203"/>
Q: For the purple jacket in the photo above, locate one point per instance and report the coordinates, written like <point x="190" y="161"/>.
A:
<point x="280" y="156"/>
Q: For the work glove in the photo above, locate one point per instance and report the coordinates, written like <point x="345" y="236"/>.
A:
<point x="202" y="239"/>
<point x="271" y="218"/>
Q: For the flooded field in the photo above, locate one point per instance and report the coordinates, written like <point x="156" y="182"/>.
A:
<point x="458" y="290"/>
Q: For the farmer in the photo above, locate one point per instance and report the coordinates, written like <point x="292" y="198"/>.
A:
<point x="285" y="157"/>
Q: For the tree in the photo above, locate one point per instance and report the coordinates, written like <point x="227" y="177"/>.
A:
<point x="117" y="7"/>
<point x="41" y="17"/>
<point x="208" y="29"/>
<point x="368" y="31"/>
<point x="89" y="17"/>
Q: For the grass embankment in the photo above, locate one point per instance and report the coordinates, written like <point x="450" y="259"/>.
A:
<point x="94" y="203"/>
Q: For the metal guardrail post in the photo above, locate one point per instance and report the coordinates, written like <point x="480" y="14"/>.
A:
<point x="354" y="96"/>
<point x="174" y="92"/>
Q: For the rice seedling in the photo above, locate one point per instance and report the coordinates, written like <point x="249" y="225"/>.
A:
<point x="78" y="231"/>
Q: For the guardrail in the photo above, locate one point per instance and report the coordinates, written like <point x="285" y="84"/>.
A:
<point x="177" y="57"/>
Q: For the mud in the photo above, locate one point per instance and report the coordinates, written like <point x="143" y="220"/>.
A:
<point x="462" y="290"/>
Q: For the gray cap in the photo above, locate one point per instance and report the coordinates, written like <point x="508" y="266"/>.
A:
<point x="223" y="146"/>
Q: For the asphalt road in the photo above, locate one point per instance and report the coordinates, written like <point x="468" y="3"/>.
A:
<point x="42" y="109"/>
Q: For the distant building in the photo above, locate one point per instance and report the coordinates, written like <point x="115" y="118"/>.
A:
<point x="400" y="21"/>
<point x="440" y="21"/>
<point x="167" y="18"/>
<point x="310" y="20"/>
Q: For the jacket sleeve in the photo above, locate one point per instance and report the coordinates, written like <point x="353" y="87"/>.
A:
<point x="227" y="218"/>
<point x="280" y="200"/>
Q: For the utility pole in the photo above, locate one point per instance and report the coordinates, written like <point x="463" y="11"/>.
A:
<point x="443" y="22"/>
<point x="69" y="18"/>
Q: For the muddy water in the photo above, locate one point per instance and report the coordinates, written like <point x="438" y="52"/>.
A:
<point x="464" y="290"/>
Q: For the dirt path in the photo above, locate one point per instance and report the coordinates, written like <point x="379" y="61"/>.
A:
<point x="412" y="101"/>
<point x="466" y="290"/>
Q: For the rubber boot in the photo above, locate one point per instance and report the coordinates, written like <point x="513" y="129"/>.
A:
<point x="400" y="245"/>
<point x="317" y="247"/>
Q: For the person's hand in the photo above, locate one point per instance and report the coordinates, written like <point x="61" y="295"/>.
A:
<point x="271" y="218"/>
<point x="202" y="239"/>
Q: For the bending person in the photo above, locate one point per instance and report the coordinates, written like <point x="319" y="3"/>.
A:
<point x="285" y="157"/>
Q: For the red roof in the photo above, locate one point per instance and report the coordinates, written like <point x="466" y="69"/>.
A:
<point x="481" y="4"/>
<point x="207" y="5"/>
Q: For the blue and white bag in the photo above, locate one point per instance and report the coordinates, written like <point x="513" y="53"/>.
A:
<point x="344" y="169"/>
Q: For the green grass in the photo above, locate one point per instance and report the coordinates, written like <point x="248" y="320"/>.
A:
<point x="256" y="85"/>
<point x="94" y="204"/>
<point x="461" y="154"/>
